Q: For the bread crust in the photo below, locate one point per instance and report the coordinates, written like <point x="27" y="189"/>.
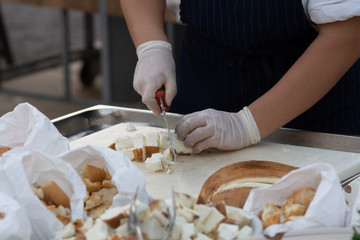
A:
<point x="225" y="184"/>
<point x="3" y="150"/>
<point x="56" y="194"/>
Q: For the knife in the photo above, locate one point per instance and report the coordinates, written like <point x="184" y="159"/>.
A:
<point x="160" y="96"/>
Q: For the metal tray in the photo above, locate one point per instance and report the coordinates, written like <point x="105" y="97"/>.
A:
<point x="90" y="120"/>
<point x="93" y="119"/>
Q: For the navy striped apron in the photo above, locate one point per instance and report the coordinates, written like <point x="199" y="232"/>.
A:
<point x="234" y="51"/>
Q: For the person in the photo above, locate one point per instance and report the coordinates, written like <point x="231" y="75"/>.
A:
<point x="248" y="67"/>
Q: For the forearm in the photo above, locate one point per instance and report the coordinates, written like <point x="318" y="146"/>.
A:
<point x="145" y="19"/>
<point x="325" y="61"/>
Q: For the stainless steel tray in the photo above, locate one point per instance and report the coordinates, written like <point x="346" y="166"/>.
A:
<point x="90" y="120"/>
<point x="93" y="119"/>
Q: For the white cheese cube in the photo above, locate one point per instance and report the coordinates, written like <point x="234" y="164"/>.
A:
<point x="227" y="231"/>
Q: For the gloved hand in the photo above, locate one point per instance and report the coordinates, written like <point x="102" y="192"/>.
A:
<point x="217" y="129"/>
<point x="155" y="68"/>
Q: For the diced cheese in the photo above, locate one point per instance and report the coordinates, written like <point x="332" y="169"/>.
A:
<point x="227" y="231"/>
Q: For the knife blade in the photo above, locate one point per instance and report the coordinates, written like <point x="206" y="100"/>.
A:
<point x="168" y="129"/>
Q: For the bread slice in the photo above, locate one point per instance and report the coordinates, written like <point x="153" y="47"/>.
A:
<point x="234" y="182"/>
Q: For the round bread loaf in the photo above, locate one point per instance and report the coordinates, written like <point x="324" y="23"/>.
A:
<point x="233" y="183"/>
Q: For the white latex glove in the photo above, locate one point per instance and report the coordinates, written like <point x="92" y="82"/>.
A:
<point x="217" y="129"/>
<point x="154" y="69"/>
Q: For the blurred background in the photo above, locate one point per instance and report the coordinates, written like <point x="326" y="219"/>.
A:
<point x="62" y="56"/>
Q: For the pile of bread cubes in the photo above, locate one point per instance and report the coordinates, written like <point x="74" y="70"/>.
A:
<point x="99" y="194"/>
<point x="153" y="148"/>
<point x="192" y="221"/>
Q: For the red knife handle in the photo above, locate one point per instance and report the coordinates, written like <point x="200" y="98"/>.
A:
<point x="161" y="94"/>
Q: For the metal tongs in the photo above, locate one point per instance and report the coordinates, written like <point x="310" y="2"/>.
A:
<point x="133" y="224"/>
<point x="171" y="216"/>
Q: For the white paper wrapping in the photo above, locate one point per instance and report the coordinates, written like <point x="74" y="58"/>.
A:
<point x="125" y="175"/>
<point x="15" y="225"/>
<point x="26" y="126"/>
<point x="327" y="209"/>
<point x="20" y="167"/>
<point x="352" y="196"/>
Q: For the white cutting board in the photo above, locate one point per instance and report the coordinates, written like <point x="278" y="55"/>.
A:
<point x="192" y="171"/>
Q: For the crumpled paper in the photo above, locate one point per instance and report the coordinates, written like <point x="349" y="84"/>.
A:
<point x="125" y="175"/>
<point x="15" y="225"/>
<point x="27" y="126"/>
<point x="327" y="209"/>
<point x="21" y="167"/>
